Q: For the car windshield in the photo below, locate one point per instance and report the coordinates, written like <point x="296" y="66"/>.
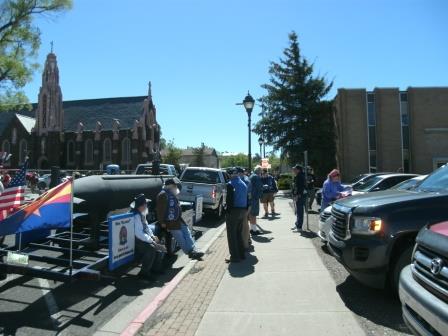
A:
<point x="358" y="178"/>
<point x="406" y="185"/>
<point x="436" y="182"/>
<point x="200" y="176"/>
<point x="367" y="184"/>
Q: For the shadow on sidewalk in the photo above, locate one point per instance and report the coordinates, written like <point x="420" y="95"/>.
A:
<point x="261" y="239"/>
<point x="361" y="300"/>
<point x="244" y="268"/>
<point x="308" y="234"/>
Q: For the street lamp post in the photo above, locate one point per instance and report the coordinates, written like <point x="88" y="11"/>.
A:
<point x="261" y="142"/>
<point x="249" y="103"/>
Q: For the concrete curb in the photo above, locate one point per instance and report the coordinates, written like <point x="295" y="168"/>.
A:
<point x="134" y="327"/>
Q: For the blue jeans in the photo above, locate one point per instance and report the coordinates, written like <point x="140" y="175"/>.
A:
<point x="300" y="204"/>
<point x="184" y="238"/>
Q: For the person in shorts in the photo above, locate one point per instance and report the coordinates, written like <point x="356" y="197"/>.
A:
<point x="269" y="191"/>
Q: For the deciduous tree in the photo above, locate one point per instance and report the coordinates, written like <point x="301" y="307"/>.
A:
<point x="19" y="43"/>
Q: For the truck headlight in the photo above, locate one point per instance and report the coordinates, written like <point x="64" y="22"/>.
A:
<point x="367" y="225"/>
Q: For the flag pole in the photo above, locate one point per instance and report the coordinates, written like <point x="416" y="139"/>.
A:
<point x="71" y="224"/>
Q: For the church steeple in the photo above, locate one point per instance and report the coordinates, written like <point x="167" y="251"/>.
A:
<point x="49" y="113"/>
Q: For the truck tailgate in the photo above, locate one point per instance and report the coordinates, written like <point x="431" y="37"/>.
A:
<point x="190" y="190"/>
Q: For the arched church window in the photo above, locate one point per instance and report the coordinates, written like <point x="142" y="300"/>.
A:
<point x="23" y="150"/>
<point x="89" y="151"/>
<point x="6" y="146"/>
<point x="126" y="150"/>
<point x="107" y="150"/>
<point x="14" y="136"/>
<point x="71" y="152"/>
<point x="44" y="111"/>
<point x="42" y="146"/>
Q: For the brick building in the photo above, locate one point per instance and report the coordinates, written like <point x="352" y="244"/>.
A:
<point x="82" y="134"/>
<point x="387" y="129"/>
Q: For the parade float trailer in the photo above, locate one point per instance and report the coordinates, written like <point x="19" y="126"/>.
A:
<point x="101" y="237"/>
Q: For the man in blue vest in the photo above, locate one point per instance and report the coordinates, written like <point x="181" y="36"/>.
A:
<point x="169" y="215"/>
<point x="236" y="216"/>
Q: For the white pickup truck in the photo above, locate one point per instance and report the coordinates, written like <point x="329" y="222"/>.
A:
<point x="208" y="182"/>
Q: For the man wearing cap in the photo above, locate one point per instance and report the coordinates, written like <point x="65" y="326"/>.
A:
<point x="236" y="215"/>
<point x="256" y="192"/>
<point x="269" y="190"/>
<point x="169" y="215"/>
<point x="147" y="245"/>
<point x="298" y="193"/>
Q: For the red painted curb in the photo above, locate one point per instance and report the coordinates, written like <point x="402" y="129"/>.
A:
<point x="138" y="322"/>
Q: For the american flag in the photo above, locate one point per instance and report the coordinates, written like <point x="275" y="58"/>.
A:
<point x="14" y="195"/>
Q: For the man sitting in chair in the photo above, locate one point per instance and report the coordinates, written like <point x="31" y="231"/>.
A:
<point x="147" y="245"/>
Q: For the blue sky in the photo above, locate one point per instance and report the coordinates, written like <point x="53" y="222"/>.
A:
<point x="203" y="55"/>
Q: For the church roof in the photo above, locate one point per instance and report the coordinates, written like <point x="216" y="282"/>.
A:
<point x="88" y="111"/>
<point x="27" y="122"/>
<point x="105" y="110"/>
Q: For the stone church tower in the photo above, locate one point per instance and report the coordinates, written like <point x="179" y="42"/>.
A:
<point x="49" y="117"/>
<point x="49" y="113"/>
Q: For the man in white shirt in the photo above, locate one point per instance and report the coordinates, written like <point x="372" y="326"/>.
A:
<point x="147" y="245"/>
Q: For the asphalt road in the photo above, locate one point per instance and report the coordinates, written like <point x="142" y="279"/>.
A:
<point x="376" y="311"/>
<point x="43" y="307"/>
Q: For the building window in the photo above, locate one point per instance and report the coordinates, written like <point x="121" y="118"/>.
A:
<point x="107" y="150"/>
<point x="42" y="146"/>
<point x="126" y="150"/>
<point x="88" y="151"/>
<point x="14" y="136"/>
<point x="44" y="111"/>
<point x="405" y="141"/>
<point x="6" y="146"/>
<point x="70" y="152"/>
<point x="23" y="150"/>
<point x="371" y="131"/>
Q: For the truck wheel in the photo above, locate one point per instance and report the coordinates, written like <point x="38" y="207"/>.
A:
<point x="404" y="259"/>
<point x="219" y="212"/>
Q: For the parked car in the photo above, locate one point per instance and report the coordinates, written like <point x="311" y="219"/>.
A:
<point x="164" y="169"/>
<point x="44" y="181"/>
<point x="373" y="235"/>
<point x="324" y="224"/>
<point x="380" y="182"/>
<point x="208" y="182"/>
<point x="361" y="178"/>
<point x="424" y="283"/>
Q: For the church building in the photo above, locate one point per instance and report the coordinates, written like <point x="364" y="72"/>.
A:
<point x="81" y="134"/>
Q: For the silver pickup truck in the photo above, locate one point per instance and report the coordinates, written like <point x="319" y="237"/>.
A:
<point x="208" y="182"/>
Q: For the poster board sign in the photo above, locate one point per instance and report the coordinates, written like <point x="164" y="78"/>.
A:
<point x="121" y="240"/>
<point x="198" y="208"/>
<point x="265" y="163"/>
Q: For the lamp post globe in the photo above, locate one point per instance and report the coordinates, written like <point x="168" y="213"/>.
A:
<point x="261" y="142"/>
<point x="249" y="103"/>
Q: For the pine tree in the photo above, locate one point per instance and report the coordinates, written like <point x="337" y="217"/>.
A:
<point x="293" y="110"/>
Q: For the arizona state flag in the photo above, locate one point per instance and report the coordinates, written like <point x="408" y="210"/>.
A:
<point x="51" y="210"/>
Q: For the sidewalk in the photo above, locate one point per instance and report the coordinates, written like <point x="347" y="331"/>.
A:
<point x="283" y="288"/>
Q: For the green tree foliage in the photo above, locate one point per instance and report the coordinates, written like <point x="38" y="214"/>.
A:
<point x="199" y="153"/>
<point x="238" y="160"/>
<point x="19" y="43"/>
<point x="294" y="110"/>
<point x="172" y="154"/>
